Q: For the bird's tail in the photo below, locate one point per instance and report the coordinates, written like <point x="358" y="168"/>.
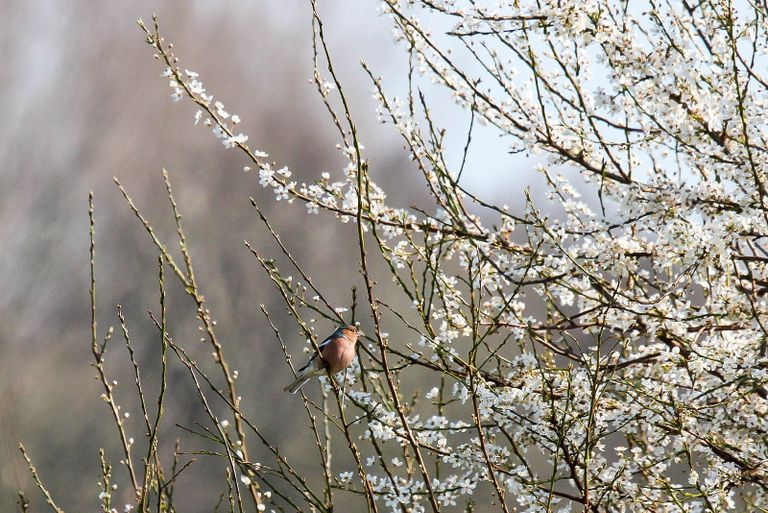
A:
<point x="303" y="376"/>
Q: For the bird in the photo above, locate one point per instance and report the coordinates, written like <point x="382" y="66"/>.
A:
<point x="336" y="353"/>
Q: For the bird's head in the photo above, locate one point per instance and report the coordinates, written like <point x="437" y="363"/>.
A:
<point x="350" y="332"/>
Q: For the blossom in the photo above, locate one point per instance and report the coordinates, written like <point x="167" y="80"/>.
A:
<point x="196" y="87"/>
<point x="231" y="142"/>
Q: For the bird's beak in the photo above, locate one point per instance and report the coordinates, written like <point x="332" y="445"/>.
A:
<point x="360" y="333"/>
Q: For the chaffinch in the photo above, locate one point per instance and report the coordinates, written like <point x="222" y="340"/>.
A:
<point x="336" y="353"/>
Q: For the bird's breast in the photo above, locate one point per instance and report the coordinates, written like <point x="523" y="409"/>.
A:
<point x="338" y="354"/>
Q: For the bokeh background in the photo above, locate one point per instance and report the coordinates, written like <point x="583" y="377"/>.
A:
<point x="82" y="101"/>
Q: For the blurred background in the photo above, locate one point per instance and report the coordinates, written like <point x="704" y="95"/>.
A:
<point x="83" y="101"/>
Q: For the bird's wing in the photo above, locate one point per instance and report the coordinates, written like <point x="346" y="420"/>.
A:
<point x="321" y="346"/>
<point x="326" y="342"/>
